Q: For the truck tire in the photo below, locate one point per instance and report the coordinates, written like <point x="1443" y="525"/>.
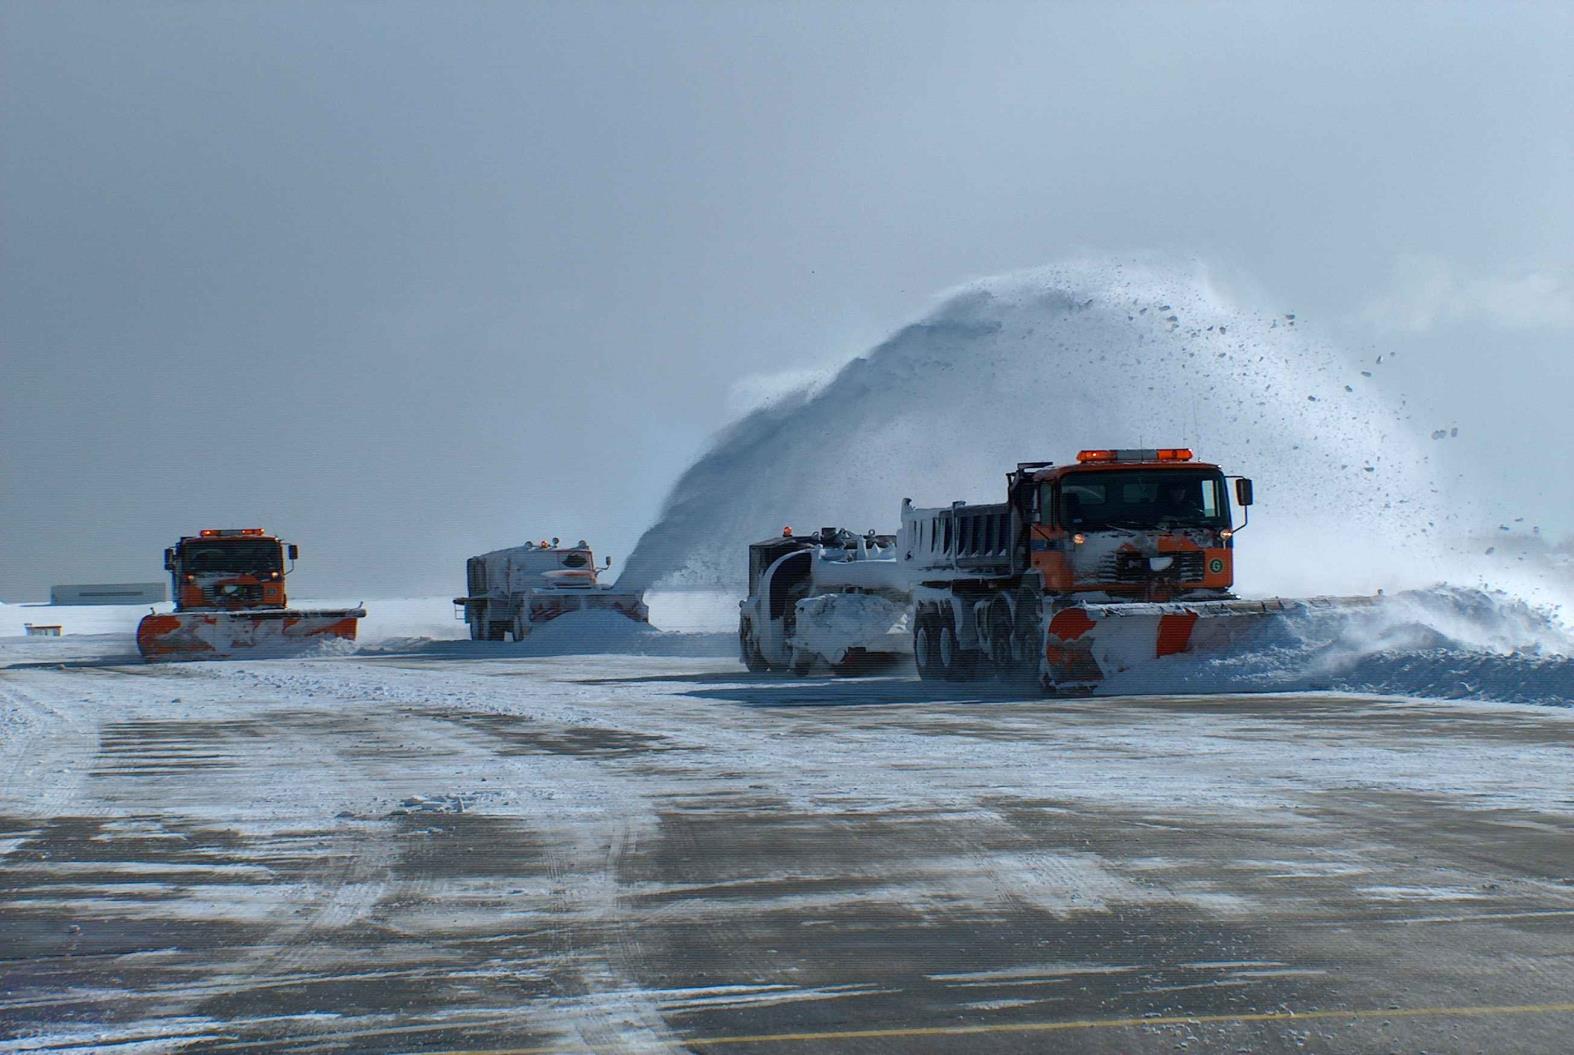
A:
<point x="1028" y="639"/>
<point x="753" y="658"/>
<point x="926" y="646"/>
<point x="1002" y="646"/>
<point x="954" y="662"/>
<point x="496" y="631"/>
<point x="802" y="661"/>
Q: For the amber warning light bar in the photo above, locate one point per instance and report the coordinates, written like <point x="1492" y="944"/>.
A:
<point x="1162" y="454"/>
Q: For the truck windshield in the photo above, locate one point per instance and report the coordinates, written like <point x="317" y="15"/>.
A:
<point x="241" y="556"/>
<point x="1142" y="499"/>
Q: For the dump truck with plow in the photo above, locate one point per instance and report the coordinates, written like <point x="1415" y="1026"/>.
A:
<point x="509" y="592"/>
<point x="230" y="602"/>
<point x="1085" y="571"/>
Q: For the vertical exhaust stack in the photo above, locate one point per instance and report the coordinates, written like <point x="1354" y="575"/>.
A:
<point x="230" y="602"/>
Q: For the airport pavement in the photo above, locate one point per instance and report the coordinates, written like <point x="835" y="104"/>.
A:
<point x="628" y="854"/>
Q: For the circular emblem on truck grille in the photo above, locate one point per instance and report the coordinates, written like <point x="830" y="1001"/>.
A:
<point x="1216" y="565"/>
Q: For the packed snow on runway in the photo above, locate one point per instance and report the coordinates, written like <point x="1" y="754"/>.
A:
<point x="428" y="849"/>
<point x="610" y="837"/>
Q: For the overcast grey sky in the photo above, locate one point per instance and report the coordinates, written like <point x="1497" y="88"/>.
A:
<point x="409" y="281"/>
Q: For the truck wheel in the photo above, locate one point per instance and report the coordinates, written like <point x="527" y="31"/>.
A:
<point x="926" y="645"/>
<point x="497" y="632"/>
<point x="1027" y="643"/>
<point x="477" y="632"/>
<point x="753" y="658"/>
<point x="955" y="662"/>
<point x="802" y="661"/>
<point x="1002" y="650"/>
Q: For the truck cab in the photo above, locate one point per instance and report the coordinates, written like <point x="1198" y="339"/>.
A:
<point x="228" y="569"/>
<point x="1150" y="525"/>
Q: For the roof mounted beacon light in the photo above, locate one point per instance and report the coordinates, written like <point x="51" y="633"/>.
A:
<point x="1160" y="454"/>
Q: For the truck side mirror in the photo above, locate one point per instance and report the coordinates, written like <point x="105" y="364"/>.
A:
<point x="294" y="551"/>
<point x="169" y="560"/>
<point x="1243" y="492"/>
<point x="609" y="563"/>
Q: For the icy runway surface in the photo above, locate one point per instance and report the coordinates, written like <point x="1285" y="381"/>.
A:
<point x="470" y="850"/>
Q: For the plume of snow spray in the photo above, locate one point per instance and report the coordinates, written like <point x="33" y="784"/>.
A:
<point x="1040" y="364"/>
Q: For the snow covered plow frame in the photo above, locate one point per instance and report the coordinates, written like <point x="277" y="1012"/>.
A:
<point x="242" y="634"/>
<point x="848" y="631"/>
<point x="1084" y="644"/>
<point x="545" y="606"/>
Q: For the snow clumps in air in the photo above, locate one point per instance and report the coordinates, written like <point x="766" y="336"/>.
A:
<point x="1040" y="364"/>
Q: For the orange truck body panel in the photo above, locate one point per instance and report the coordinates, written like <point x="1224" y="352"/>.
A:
<point x="1051" y="554"/>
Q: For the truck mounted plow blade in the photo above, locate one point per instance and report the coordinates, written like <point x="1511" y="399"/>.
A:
<point x="1084" y="644"/>
<point x="543" y="606"/>
<point x="241" y="635"/>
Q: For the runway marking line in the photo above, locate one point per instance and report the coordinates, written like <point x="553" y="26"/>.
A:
<point x="899" y="1032"/>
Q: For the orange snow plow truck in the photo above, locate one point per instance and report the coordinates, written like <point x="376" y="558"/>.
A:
<point x="1086" y="571"/>
<point x="230" y="603"/>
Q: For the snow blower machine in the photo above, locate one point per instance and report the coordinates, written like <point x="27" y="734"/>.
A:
<point x="512" y="591"/>
<point x="230" y="603"/>
<point x="832" y="597"/>
<point x="1084" y="572"/>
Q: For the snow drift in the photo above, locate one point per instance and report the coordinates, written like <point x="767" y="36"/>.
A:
<point x="573" y="634"/>
<point x="1041" y="364"/>
<point x="1440" y="643"/>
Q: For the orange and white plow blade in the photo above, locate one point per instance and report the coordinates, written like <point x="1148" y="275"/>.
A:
<point x="1087" y="643"/>
<point x="241" y="635"/>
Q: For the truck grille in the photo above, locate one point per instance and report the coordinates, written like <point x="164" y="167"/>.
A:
<point x="1133" y="567"/>
<point x="238" y="593"/>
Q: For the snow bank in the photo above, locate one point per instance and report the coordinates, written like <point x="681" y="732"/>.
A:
<point x="1441" y="643"/>
<point x="400" y="617"/>
<point x="395" y="625"/>
<point x="694" y="610"/>
<point x="576" y="633"/>
<point x="1041" y="364"/>
<point x="589" y="632"/>
<point x="385" y="617"/>
<point x="73" y="619"/>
